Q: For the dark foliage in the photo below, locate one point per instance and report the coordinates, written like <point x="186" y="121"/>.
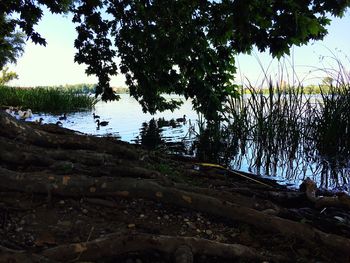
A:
<point x="185" y="47"/>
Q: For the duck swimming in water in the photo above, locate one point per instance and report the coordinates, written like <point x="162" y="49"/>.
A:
<point x="95" y="116"/>
<point x="183" y="119"/>
<point x="101" y="123"/>
<point x="39" y="121"/>
<point x="64" y="117"/>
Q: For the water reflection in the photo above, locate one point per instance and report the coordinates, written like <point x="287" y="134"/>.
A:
<point x="289" y="156"/>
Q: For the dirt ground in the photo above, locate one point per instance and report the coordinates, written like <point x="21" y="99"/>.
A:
<point x="67" y="197"/>
<point x="30" y="223"/>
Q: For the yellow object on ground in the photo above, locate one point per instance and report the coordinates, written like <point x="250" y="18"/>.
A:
<point x="213" y="165"/>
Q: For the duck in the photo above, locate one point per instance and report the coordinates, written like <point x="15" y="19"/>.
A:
<point x="28" y="113"/>
<point x="64" y="117"/>
<point x="95" y="116"/>
<point x="101" y="123"/>
<point x="183" y="119"/>
<point x="59" y="123"/>
<point x="10" y="110"/>
<point x="39" y="121"/>
<point x="25" y="114"/>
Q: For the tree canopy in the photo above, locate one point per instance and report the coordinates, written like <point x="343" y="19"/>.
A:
<point x="11" y="42"/>
<point x="185" y="47"/>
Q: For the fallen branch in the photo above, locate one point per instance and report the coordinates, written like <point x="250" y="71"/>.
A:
<point x="309" y="187"/>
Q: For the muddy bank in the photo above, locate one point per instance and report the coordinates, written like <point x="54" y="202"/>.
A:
<point x="71" y="197"/>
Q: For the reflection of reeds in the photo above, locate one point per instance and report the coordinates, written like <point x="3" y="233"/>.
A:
<point x="46" y="99"/>
<point x="291" y="133"/>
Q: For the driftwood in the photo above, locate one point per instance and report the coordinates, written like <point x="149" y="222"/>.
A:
<point x="340" y="200"/>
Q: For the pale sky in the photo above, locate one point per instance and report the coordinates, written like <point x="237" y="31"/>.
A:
<point x="54" y="64"/>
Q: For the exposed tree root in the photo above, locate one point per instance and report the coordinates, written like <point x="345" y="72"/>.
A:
<point x="51" y="161"/>
<point x="13" y="256"/>
<point x="148" y="189"/>
<point x="182" y="248"/>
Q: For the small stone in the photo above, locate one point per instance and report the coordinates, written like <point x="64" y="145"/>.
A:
<point x="186" y="219"/>
<point x="125" y="212"/>
<point x="191" y="225"/>
<point x="234" y="235"/>
<point x="158" y="217"/>
<point x="131" y="225"/>
<point x="85" y="211"/>
<point x="208" y="232"/>
<point x="22" y="222"/>
<point x="142" y="216"/>
<point x="198" y="230"/>
<point x="208" y="222"/>
<point x="29" y="219"/>
<point x="166" y="217"/>
<point x="64" y="223"/>
<point x="61" y="202"/>
<point x="76" y="239"/>
<point x="79" y="222"/>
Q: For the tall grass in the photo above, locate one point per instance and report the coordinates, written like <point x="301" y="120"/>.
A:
<point x="44" y="99"/>
<point x="283" y="130"/>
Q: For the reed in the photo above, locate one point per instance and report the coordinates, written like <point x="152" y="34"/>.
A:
<point x="289" y="130"/>
<point x="46" y="99"/>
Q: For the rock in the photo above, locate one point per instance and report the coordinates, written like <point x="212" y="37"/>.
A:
<point x="28" y="219"/>
<point x="142" y="216"/>
<point x="79" y="222"/>
<point x="131" y="225"/>
<point x="166" y="217"/>
<point x="64" y="223"/>
<point x="191" y="225"/>
<point x="85" y="211"/>
<point x="208" y="232"/>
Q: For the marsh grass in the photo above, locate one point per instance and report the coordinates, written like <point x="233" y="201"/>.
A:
<point x="290" y="131"/>
<point x="46" y="99"/>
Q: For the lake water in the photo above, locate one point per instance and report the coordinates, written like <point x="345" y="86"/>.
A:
<point x="126" y="120"/>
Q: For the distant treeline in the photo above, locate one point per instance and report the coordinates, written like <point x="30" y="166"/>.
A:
<point x="310" y="89"/>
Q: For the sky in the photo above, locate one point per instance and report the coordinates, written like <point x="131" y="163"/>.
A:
<point x="54" y="64"/>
